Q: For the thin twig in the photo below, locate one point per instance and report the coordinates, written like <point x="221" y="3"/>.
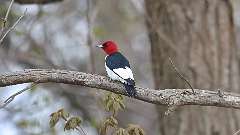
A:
<point x="80" y="131"/>
<point x="13" y="26"/>
<point x="83" y="130"/>
<point x="236" y="133"/>
<point x="8" y="11"/>
<point x="180" y="75"/>
<point x="11" y="98"/>
<point x="6" y="17"/>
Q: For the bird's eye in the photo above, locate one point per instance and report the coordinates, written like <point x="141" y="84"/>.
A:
<point x="105" y="44"/>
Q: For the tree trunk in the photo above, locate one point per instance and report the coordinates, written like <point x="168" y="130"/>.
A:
<point x="199" y="36"/>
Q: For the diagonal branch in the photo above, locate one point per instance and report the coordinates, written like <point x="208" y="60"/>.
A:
<point x="180" y="75"/>
<point x="176" y="97"/>
<point x="11" y="98"/>
<point x="13" y="26"/>
<point x="37" y="1"/>
<point x="5" y="19"/>
<point x="8" y="11"/>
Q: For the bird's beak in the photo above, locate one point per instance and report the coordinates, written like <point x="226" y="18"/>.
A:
<point x="100" y="46"/>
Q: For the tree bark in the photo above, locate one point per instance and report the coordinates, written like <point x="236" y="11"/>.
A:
<point x="169" y="97"/>
<point x="199" y="36"/>
<point x="37" y="1"/>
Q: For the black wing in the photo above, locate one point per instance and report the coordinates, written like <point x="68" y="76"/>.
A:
<point x="117" y="60"/>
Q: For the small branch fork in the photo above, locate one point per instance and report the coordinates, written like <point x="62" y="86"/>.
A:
<point x="167" y="97"/>
<point x="12" y="97"/>
<point x="181" y="76"/>
<point x="5" y="19"/>
<point x="237" y="133"/>
<point x="8" y="11"/>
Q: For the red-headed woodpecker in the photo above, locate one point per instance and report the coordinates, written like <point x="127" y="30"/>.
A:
<point x="118" y="67"/>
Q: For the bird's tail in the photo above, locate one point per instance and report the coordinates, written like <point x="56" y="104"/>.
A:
<point x="130" y="88"/>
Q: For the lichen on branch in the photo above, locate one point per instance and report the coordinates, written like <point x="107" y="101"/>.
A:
<point x="168" y="97"/>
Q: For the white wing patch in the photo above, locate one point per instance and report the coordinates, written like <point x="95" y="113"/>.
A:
<point x="125" y="73"/>
<point x="113" y="75"/>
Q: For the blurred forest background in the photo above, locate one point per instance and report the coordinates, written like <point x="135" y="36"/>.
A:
<point x="200" y="35"/>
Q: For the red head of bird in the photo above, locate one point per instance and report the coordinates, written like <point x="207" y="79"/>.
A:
<point x="109" y="47"/>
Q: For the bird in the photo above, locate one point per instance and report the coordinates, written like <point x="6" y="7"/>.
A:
<point x="117" y="67"/>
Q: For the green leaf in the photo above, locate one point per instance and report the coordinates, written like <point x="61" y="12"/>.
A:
<point x="54" y="118"/>
<point x="112" y="122"/>
<point x="109" y="106"/>
<point x="135" y="130"/>
<point x="122" y="105"/>
<point x="72" y="123"/>
<point x="113" y="102"/>
<point x="103" y="130"/>
<point x="63" y="114"/>
<point x="121" y="131"/>
<point x="109" y="122"/>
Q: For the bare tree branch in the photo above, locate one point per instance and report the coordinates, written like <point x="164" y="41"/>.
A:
<point x="236" y="133"/>
<point x="6" y="17"/>
<point x="180" y="75"/>
<point x="37" y="1"/>
<point x="13" y="26"/>
<point x="174" y="97"/>
<point x="8" y="11"/>
<point x="11" y="98"/>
